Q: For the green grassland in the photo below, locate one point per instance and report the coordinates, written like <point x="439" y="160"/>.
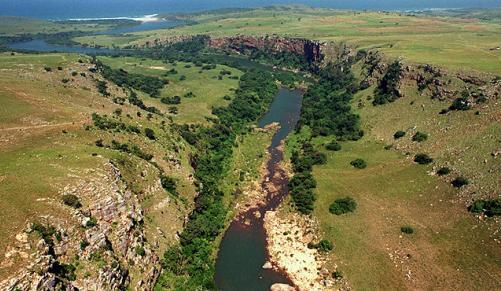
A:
<point x="204" y="84"/>
<point x="456" y="43"/>
<point x="449" y="248"/>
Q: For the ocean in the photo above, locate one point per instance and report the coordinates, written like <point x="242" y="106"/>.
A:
<point x="68" y="9"/>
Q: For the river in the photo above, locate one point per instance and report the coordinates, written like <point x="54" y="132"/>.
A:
<point x="242" y="252"/>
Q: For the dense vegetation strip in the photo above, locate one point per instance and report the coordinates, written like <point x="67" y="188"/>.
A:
<point x="327" y="111"/>
<point x="190" y="265"/>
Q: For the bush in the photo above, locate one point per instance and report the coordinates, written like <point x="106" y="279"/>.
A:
<point x="171" y="100"/>
<point x="488" y="207"/>
<point x="443" y="171"/>
<point x="140" y="251"/>
<point x="149" y="133"/>
<point x="407" y="229"/>
<point x="182" y="78"/>
<point x="359" y="164"/>
<point x="168" y="183"/>
<point x="99" y="143"/>
<point x="322" y="246"/>
<point x="399" y="134"/>
<point x="48" y="69"/>
<point x="420" y="136"/>
<point x="342" y="206"/>
<point x="337" y="275"/>
<point x="423" y="159"/>
<point x="71" y="200"/>
<point x="333" y="146"/>
<point x="460" y="182"/>
<point x="460" y="103"/>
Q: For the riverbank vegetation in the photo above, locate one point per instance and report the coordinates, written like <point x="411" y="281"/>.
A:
<point x="191" y="265"/>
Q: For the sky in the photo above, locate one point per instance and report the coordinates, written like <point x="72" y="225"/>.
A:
<point x="64" y="9"/>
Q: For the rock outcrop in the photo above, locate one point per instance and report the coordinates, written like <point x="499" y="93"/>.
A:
<point x="311" y="50"/>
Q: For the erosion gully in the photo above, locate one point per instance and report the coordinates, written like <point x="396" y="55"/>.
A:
<point x="243" y="250"/>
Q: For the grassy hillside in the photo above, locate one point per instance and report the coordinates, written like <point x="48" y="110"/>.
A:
<point x="49" y="149"/>
<point x="457" y="43"/>
<point x="208" y="91"/>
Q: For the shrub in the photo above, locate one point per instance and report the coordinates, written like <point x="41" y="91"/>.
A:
<point x="443" y="171"/>
<point x="48" y="69"/>
<point x="83" y="244"/>
<point x="168" y="183"/>
<point x="399" y="134"/>
<point x="342" y="206"/>
<point x="171" y="100"/>
<point x="140" y="251"/>
<point x="74" y="74"/>
<point x="407" y="229"/>
<point x="460" y="103"/>
<point x="149" y="133"/>
<point x="99" y="143"/>
<point x="322" y="246"/>
<point x="423" y="159"/>
<point x="488" y="207"/>
<point x="359" y="164"/>
<point x="337" y="275"/>
<point x="333" y="146"/>
<point x="182" y="78"/>
<point x="460" y="182"/>
<point x="91" y="222"/>
<point x="420" y="136"/>
<point x="71" y="200"/>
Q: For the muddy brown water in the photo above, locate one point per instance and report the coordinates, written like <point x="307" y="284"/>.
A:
<point x="243" y="252"/>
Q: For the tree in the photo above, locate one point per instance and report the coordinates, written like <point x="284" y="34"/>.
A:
<point x="342" y="206"/>
<point x="359" y="164"/>
<point x="333" y="146"/>
<point x="399" y="134"/>
<point x="423" y="159"/>
<point x="149" y="133"/>
<point x="420" y="136"/>
<point x="460" y="182"/>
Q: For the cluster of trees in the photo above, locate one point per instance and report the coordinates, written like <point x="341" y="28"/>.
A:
<point x="326" y="105"/>
<point x="302" y="183"/>
<point x="171" y="100"/>
<point x="131" y="149"/>
<point x="122" y="78"/>
<point x="387" y="90"/>
<point x="134" y="100"/>
<point x="487" y="207"/>
<point x="191" y="262"/>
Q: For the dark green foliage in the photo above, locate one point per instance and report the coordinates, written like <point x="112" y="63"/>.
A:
<point x="337" y="275"/>
<point x="326" y="105"/>
<point x="102" y="88"/>
<point x="66" y="271"/>
<point x="407" y="229"/>
<point x="91" y="222"/>
<point x="342" y="206"/>
<point x="45" y="232"/>
<point x="322" y="246"/>
<point x="423" y="159"/>
<point x="74" y="74"/>
<point x="122" y="78"/>
<point x="460" y="103"/>
<point x="83" y="244"/>
<point x="460" y="182"/>
<point x="359" y="164"/>
<point x="99" y="143"/>
<point x="48" y="69"/>
<point x="131" y="148"/>
<point x="419" y="136"/>
<point x="71" y="200"/>
<point x="134" y="100"/>
<point x="387" y="90"/>
<point x="169" y="184"/>
<point x="443" y="171"/>
<point x="171" y="100"/>
<point x="399" y="134"/>
<point x="488" y="207"/>
<point x="182" y="78"/>
<point x="140" y="251"/>
<point x="333" y="146"/>
<point x="65" y="80"/>
<point x="149" y="133"/>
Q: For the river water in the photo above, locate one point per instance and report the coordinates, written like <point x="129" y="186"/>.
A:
<point x="242" y="252"/>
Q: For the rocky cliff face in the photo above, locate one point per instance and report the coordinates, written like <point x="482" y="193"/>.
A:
<point x="311" y="50"/>
<point x="108" y="247"/>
